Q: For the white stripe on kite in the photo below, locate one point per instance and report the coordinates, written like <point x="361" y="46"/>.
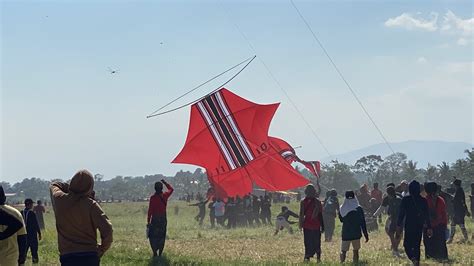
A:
<point x="216" y="135"/>
<point x="234" y="127"/>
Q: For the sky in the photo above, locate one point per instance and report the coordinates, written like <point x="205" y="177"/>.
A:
<point x="410" y="63"/>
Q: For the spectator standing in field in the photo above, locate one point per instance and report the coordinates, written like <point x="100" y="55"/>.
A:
<point x="282" y="220"/>
<point x="404" y="189"/>
<point x="330" y="209"/>
<point x="472" y="204"/>
<point x="202" y="210"/>
<point x="377" y="194"/>
<point x="12" y="234"/>
<point x="391" y="204"/>
<point x="230" y="213"/>
<point x="353" y="225"/>
<point x="212" y="212"/>
<point x="448" y="200"/>
<point x="435" y="246"/>
<point x="256" y="210"/>
<point x="414" y="214"/>
<point x="460" y="211"/>
<point x="39" y="211"/>
<point x="219" y="212"/>
<point x="266" y="213"/>
<point x="156" y="220"/>
<point x="77" y="219"/>
<point x="32" y="230"/>
<point x="311" y="221"/>
<point x="363" y="197"/>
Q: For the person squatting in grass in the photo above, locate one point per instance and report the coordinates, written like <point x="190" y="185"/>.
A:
<point x="78" y="217"/>
<point x="352" y="218"/>
<point x="32" y="230"/>
<point x="460" y="211"/>
<point x="414" y="216"/>
<point x="156" y="219"/>
<point x="391" y="204"/>
<point x="12" y="234"/>
<point x="311" y="221"/>
<point x="282" y="221"/>
<point x="435" y="246"/>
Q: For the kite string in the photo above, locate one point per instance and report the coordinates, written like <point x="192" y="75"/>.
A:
<point x="342" y="76"/>
<point x="218" y="88"/>
<point x="278" y="83"/>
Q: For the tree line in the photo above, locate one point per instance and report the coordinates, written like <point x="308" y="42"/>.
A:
<point x="341" y="176"/>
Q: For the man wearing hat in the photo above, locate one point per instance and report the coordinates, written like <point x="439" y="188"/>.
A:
<point x="460" y="211"/>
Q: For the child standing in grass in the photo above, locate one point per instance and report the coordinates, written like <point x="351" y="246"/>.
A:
<point x="311" y="221"/>
<point x="353" y="220"/>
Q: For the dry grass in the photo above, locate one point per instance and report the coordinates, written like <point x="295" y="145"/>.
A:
<point x="189" y="244"/>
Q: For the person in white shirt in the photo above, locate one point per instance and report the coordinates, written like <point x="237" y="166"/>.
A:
<point x="219" y="209"/>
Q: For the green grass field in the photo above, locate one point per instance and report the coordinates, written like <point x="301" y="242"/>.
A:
<point x="189" y="244"/>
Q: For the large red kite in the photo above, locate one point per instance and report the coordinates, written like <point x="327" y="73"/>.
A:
<point x="228" y="136"/>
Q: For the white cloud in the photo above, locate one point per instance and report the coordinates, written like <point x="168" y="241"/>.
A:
<point x="462" y="42"/>
<point x="410" y="22"/>
<point x="456" y="25"/>
<point x="453" y="25"/>
<point x="421" y="60"/>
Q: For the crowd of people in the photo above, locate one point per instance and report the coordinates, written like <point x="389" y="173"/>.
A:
<point x="232" y="212"/>
<point x="415" y="212"/>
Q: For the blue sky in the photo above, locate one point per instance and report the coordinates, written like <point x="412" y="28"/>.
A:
<point x="410" y="63"/>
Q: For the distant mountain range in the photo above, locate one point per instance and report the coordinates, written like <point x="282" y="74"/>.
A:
<point x="423" y="152"/>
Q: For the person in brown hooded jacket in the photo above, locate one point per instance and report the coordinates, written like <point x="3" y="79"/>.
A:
<point x="78" y="217"/>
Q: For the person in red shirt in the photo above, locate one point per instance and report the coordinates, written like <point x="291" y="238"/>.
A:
<point x="311" y="221"/>
<point x="435" y="246"/>
<point x="156" y="220"/>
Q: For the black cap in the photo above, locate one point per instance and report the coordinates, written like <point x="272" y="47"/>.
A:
<point x="350" y="194"/>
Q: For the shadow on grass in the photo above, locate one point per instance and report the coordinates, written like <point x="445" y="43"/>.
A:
<point x="159" y="261"/>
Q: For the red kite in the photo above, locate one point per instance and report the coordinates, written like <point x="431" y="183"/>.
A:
<point x="228" y="136"/>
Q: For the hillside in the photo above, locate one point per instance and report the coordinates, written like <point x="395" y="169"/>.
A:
<point x="423" y="152"/>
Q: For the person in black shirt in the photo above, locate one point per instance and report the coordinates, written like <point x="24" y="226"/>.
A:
<point x="212" y="212"/>
<point x="265" y="211"/>
<point x="391" y="204"/>
<point x="414" y="214"/>
<point x="202" y="211"/>
<point x="282" y="220"/>
<point x="330" y="208"/>
<point x="460" y="211"/>
<point x="32" y="229"/>
<point x="448" y="199"/>
<point x="352" y="217"/>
